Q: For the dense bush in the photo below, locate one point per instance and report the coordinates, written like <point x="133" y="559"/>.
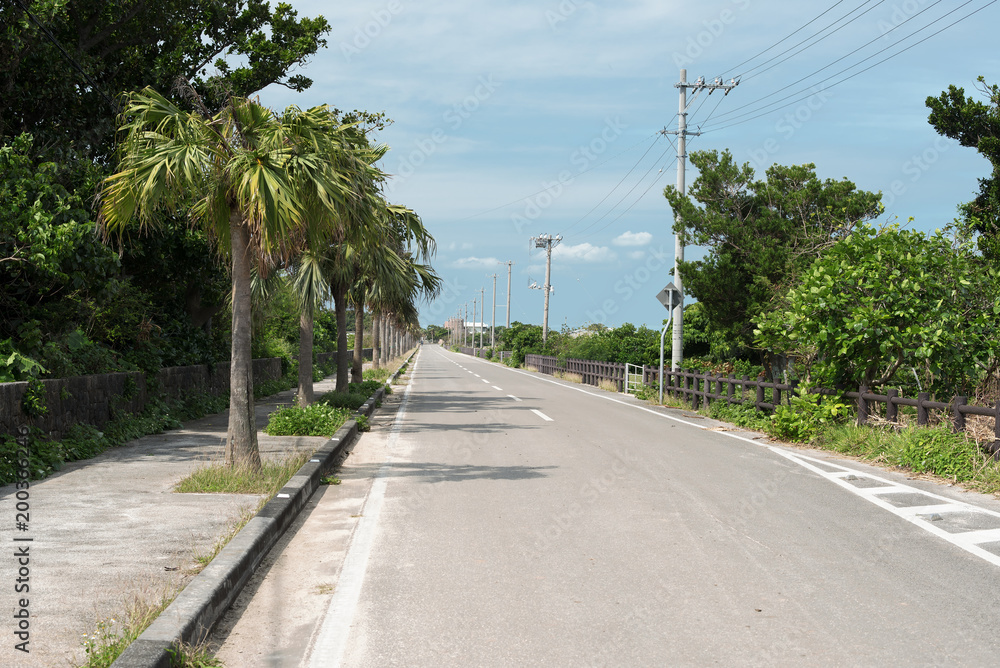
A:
<point x="318" y="419"/>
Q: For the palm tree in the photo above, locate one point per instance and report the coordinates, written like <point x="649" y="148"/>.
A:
<point x="257" y="182"/>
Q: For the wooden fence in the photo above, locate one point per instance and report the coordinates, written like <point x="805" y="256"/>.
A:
<point x="499" y="355"/>
<point x="703" y="388"/>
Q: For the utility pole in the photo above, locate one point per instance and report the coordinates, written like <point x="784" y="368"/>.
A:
<point x="482" y="309"/>
<point x="493" y="318"/>
<point x="509" y="263"/>
<point x="465" y="327"/>
<point x="473" y="325"/>
<point x="548" y="242"/>
<point x="677" y="341"/>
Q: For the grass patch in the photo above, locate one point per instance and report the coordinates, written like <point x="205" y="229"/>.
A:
<point x="569" y="376"/>
<point x="193" y="656"/>
<point x="217" y="478"/>
<point x="380" y="374"/>
<point x="356" y="395"/>
<point x="113" y="635"/>
<point x="934" y="450"/>
<point x="607" y="385"/>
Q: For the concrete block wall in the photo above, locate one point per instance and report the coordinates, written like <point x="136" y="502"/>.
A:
<point x="94" y="399"/>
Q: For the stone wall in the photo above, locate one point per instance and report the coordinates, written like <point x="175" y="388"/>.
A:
<point x="94" y="399"/>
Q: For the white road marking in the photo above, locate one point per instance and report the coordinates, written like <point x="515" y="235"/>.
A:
<point x="542" y="415"/>
<point x="497" y="388"/>
<point x="967" y="541"/>
<point x="485" y="381"/>
<point x="513" y="397"/>
<point x="330" y="643"/>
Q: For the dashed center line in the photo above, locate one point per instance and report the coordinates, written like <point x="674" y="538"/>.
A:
<point x="485" y="381"/>
<point x="513" y="397"/>
<point x="497" y="388"/>
<point x="542" y="415"/>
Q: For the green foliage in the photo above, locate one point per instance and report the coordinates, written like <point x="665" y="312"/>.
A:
<point x="319" y="419"/>
<point x="879" y="307"/>
<point x="357" y="394"/>
<point x="975" y="125"/>
<point x="15" y="366"/>
<point x="363" y="424"/>
<point x="743" y="415"/>
<point x="380" y="374"/>
<point x="759" y="235"/>
<point x="223" y="47"/>
<point x="52" y="262"/>
<point x="933" y="450"/>
<point x="521" y="339"/>
<point x="33" y="401"/>
<point x="805" y="416"/>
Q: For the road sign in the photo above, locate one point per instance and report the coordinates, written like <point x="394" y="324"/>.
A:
<point x="670" y="297"/>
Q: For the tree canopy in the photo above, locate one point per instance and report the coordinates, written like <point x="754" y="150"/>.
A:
<point x="891" y="306"/>
<point x="977" y="125"/>
<point x="68" y="100"/>
<point x="759" y="235"/>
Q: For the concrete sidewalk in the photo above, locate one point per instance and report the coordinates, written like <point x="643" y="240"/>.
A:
<point x="109" y="529"/>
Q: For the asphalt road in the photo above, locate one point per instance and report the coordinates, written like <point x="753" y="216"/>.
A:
<point x="513" y="520"/>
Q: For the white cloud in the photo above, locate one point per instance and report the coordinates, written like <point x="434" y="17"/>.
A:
<point x="633" y="239"/>
<point x="637" y="255"/>
<point x="476" y="263"/>
<point x="584" y="252"/>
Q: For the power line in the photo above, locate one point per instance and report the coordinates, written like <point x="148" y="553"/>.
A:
<point x="806" y="25"/>
<point x="653" y="136"/>
<point x="744" y="75"/>
<point x="603" y="199"/>
<point x="813" y="73"/>
<point x="860" y="62"/>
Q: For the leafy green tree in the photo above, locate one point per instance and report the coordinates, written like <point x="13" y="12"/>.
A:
<point x="976" y="125"/>
<point x="759" y="235"/>
<point x="521" y="339"/>
<point x="258" y="181"/>
<point x="883" y="307"/>
<point x="52" y="262"/>
<point x="125" y="45"/>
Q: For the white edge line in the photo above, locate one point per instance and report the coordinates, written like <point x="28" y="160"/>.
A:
<point x="330" y="643"/>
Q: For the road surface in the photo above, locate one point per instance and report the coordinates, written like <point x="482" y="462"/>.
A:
<point x="504" y="518"/>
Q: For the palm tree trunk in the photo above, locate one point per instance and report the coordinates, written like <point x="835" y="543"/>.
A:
<point x="305" y="358"/>
<point x="376" y="339"/>
<point x="241" y="441"/>
<point x="343" y="354"/>
<point x="357" y="371"/>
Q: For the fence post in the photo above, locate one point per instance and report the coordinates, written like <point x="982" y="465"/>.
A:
<point x="921" y="409"/>
<point x="760" y="395"/>
<point x="890" y="408"/>
<point x="862" y="405"/>
<point x="994" y="447"/>
<point x="958" y="417"/>
<point x="687" y="386"/>
<point x="694" y="394"/>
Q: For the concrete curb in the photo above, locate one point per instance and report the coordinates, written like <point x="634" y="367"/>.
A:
<point x="191" y="616"/>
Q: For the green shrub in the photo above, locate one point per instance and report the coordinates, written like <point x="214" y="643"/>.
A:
<point x="806" y="416"/>
<point x="319" y="419"/>
<point x="380" y="374"/>
<point x="743" y="415"/>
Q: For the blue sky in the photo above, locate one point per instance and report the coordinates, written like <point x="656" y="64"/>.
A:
<point x="514" y="119"/>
